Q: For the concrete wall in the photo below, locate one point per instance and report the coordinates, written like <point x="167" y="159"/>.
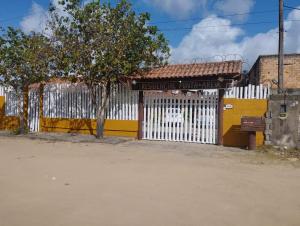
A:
<point x="283" y="133"/>
<point x="232" y="134"/>
<point x="266" y="69"/>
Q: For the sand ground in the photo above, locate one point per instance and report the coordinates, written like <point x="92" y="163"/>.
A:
<point x="46" y="183"/>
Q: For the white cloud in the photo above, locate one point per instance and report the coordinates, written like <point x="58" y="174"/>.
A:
<point x="185" y="8"/>
<point x="178" y="8"/>
<point x="235" y="7"/>
<point x="205" y="40"/>
<point x="208" y="38"/>
<point x="36" y="20"/>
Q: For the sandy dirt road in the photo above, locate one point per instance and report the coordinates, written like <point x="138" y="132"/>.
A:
<point x="143" y="183"/>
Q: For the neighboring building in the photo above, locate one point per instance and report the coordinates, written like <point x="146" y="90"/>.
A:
<point x="265" y="71"/>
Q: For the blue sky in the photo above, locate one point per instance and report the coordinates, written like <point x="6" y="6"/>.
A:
<point x="195" y="28"/>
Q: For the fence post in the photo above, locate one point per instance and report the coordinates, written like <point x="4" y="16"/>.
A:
<point x="220" y="116"/>
<point x="140" y="115"/>
<point x="41" y="107"/>
<point x="25" y="106"/>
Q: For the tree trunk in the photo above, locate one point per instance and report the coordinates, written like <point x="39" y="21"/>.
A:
<point x="102" y="109"/>
<point x="23" y="110"/>
<point x="21" y="114"/>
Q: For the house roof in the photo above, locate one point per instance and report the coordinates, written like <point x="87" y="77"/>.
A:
<point x="226" y="68"/>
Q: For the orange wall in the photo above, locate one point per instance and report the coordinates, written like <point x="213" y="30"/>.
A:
<point x="232" y="134"/>
<point x="124" y="128"/>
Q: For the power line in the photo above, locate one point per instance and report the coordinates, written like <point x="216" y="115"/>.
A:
<point x="227" y="15"/>
<point x="226" y="25"/>
<point x="174" y="21"/>
<point x="191" y="19"/>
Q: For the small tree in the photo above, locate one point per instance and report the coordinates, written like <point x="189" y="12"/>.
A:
<point x="24" y="60"/>
<point x="104" y="44"/>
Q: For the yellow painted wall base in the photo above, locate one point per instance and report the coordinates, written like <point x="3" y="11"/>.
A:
<point x="232" y="134"/>
<point x="124" y="128"/>
<point x="7" y="122"/>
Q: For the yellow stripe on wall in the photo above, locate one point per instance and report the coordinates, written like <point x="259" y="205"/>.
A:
<point x="127" y="128"/>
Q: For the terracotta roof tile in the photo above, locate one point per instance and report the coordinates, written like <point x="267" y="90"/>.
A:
<point x="230" y="68"/>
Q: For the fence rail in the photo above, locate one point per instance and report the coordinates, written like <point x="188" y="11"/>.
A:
<point x="248" y="92"/>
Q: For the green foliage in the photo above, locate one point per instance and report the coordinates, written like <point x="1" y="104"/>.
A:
<point x="19" y="131"/>
<point x="101" y="44"/>
<point x="25" y="59"/>
<point x="96" y="42"/>
<point x="104" y="44"/>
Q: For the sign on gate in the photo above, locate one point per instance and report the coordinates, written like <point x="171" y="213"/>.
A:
<point x="174" y="115"/>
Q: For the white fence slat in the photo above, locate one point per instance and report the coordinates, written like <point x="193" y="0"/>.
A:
<point x="212" y="118"/>
<point x="194" y="120"/>
<point x="159" y="118"/>
<point x="190" y="120"/>
<point x="250" y="91"/>
<point x="253" y="92"/>
<point x="198" y="119"/>
<point x="242" y="92"/>
<point x="215" y="118"/>
<point x="155" y="121"/>
<point x="174" y="119"/>
<point x="149" y="118"/>
<point x="145" y="120"/>
<point x="247" y="92"/>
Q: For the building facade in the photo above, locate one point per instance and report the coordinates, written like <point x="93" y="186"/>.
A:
<point x="265" y="71"/>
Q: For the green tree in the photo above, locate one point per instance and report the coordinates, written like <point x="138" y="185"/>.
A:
<point x="104" y="44"/>
<point x="24" y="60"/>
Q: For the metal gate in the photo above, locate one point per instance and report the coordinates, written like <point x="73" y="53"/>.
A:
<point x="183" y="117"/>
<point x="33" y="111"/>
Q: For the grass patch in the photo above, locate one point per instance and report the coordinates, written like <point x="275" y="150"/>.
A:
<point x="287" y="154"/>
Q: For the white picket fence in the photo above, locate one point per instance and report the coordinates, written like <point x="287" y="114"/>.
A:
<point x="180" y="117"/>
<point x="11" y="103"/>
<point x="249" y="92"/>
<point x="166" y="116"/>
<point x="71" y="101"/>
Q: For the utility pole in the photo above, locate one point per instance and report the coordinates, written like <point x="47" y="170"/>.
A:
<point x="281" y="48"/>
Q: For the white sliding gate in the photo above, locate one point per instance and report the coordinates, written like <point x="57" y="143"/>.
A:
<point x="180" y="117"/>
